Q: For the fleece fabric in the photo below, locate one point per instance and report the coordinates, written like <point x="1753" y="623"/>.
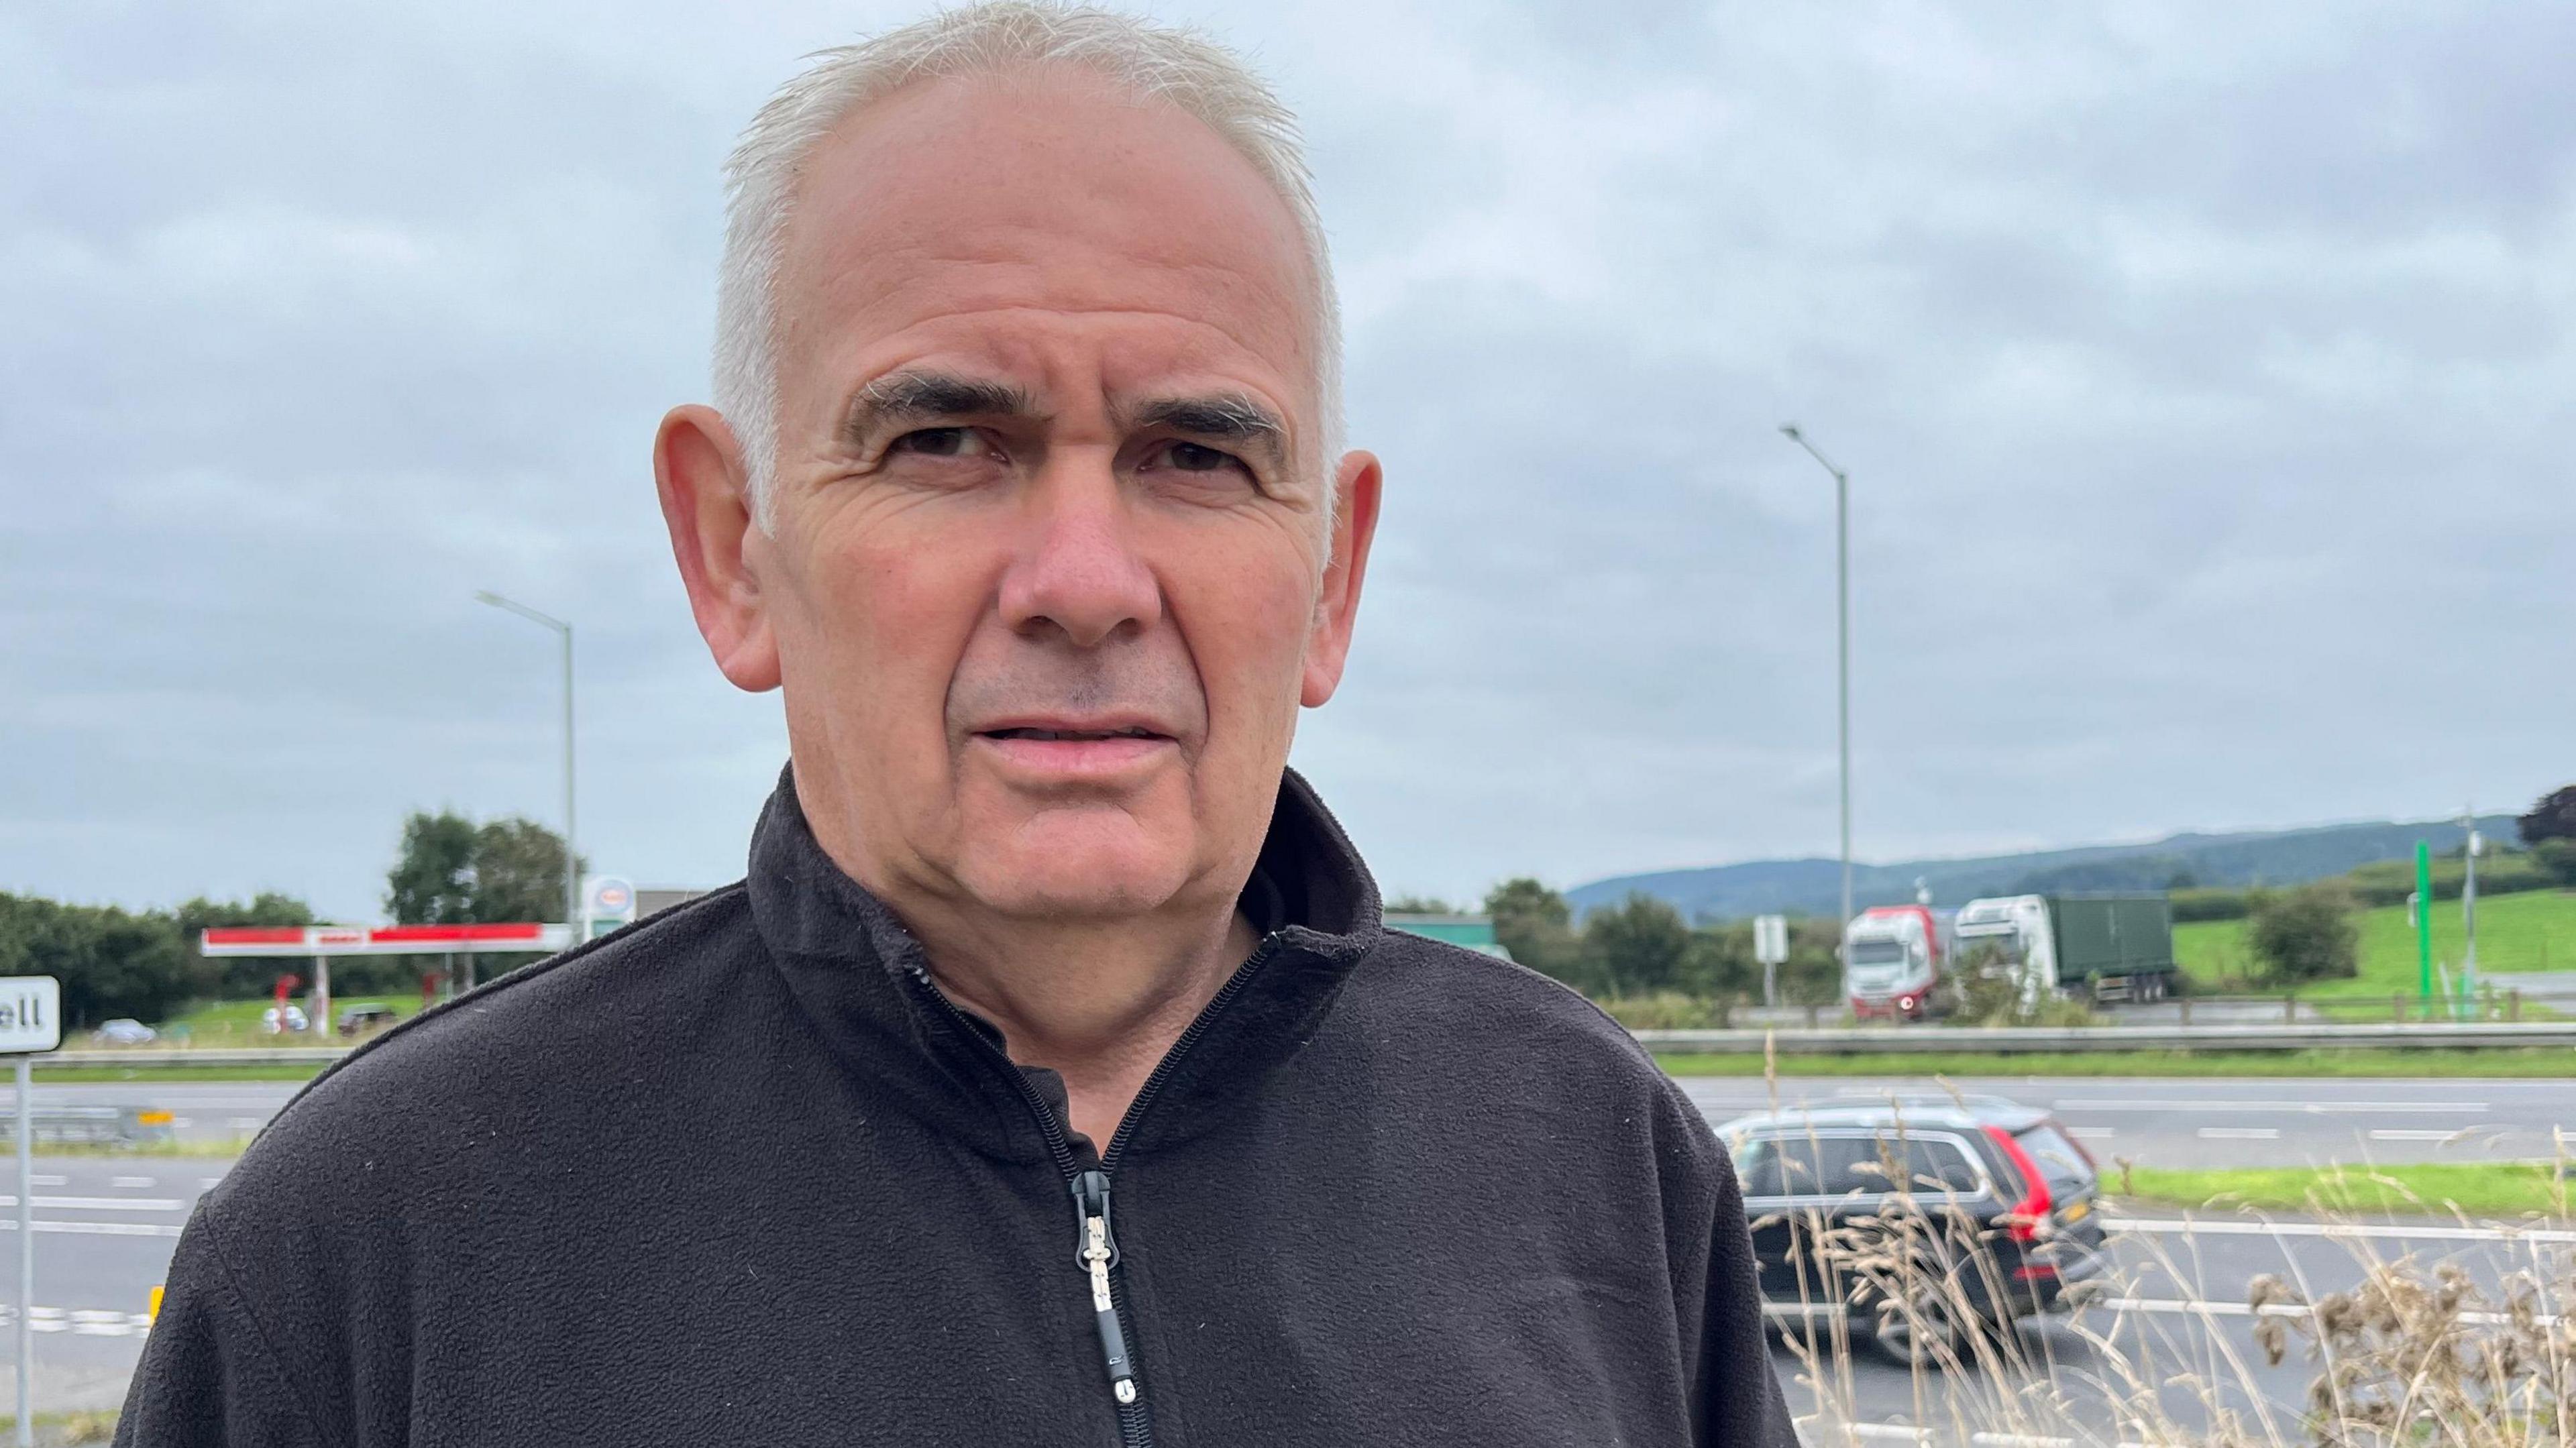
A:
<point x="739" y="1173"/>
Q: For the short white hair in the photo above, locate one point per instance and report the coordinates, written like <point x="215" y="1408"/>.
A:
<point x="1180" y="67"/>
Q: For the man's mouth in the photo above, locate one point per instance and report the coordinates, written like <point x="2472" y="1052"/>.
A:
<point x="1074" y="736"/>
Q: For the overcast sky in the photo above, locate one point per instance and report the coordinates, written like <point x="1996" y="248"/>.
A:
<point x="2205" y="376"/>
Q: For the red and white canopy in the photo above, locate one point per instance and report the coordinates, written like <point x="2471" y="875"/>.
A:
<point x="519" y="937"/>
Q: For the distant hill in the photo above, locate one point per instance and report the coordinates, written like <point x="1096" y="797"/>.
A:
<point x="1814" y="887"/>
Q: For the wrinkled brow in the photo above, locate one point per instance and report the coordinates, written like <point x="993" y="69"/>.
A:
<point x="1225" y="417"/>
<point x="900" y="397"/>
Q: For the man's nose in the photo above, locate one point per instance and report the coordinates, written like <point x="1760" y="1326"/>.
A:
<point x="1077" y="568"/>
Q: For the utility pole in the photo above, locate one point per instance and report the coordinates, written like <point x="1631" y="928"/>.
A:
<point x="1842" y="643"/>
<point x="572" y="852"/>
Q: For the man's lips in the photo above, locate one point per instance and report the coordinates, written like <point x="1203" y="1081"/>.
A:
<point x="1069" y="749"/>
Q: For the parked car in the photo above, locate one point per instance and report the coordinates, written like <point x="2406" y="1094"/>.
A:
<point x="1919" y="1220"/>
<point x="357" y="1019"/>
<point x="124" y="1031"/>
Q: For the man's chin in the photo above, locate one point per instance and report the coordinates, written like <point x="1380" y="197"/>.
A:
<point x="1079" y="865"/>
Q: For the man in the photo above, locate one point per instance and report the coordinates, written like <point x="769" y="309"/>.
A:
<point x="1051" y="1079"/>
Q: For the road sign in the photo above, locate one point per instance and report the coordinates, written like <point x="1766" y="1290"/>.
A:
<point x="1771" y="949"/>
<point x="31" y="1019"/>
<point x="31" y="1013"/>
<point x="1771" y="939"/>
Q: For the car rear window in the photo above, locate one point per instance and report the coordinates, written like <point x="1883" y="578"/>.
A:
<point x="2060" y="1160"/>
<point x="1835" y="1166"/>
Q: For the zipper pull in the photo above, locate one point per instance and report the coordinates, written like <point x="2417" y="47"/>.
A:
<point x="1095" y="1250"/>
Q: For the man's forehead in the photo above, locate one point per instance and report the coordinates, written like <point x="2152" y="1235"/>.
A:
<point x="1040" y="193"/>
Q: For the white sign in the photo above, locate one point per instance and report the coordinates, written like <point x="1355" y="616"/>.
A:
<point x="31" y="1014"/>
<point x="1771" y="939"/>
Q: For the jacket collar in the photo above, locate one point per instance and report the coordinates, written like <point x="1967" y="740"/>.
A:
<point x="861" y="983"/>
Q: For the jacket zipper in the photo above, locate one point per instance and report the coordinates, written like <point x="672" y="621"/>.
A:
<point x="1095" y="1239"/>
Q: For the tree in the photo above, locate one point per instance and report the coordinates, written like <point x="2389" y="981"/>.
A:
<point x="2558" y="857"/>
<point x="111" y="963"/>
<point x="2553" y="818"/>
<point x="1420" y="905"/>
<point x="1719" y="962"/>
<point x="2304" y="934"/>
<point x="233" y="977"/>
<point x="455" y="872"/>
<point x="1534" y="923"/>
<point x="1636" y="946"/>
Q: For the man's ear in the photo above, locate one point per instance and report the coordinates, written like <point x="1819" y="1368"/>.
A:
<point x="706" y="503"/>
<point x="1355" y="493"/>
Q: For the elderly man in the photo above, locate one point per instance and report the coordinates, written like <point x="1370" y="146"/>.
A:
<point x="1051" y="1079"/>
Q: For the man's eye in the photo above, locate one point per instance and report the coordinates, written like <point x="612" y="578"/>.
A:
<point x="1190" y="457"/>
<point x="943" y="442"/>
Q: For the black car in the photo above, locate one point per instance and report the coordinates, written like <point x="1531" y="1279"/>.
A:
<point x="1917" y="1220"/>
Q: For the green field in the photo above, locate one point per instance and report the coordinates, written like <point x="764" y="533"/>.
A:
<point x="2514" y="1062"/>
<point x="2480" y="1189"/>
<point x="2534" y="930"/>
<point x="236" y="1023"/>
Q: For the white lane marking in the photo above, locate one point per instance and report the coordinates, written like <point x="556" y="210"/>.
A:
<point x="129" y="1181"/>
<point x="2374" y="1232"/>
<point x="83" y="1321"/>
<point x="2240" y="1133"/>
<point x="2412" y="1133"/>
<point x="182" y="1123"/>
<point x="46" y="1179"/>
<point x="242" y="1123"/>
<point x="207" y="1184"/>
<point x="2196" y="1307"/>
<point x="1923" y="1437"/>
<point x="2300" y="1108"/>
<point x="2091" y="1133"/>
<point x="97" y="1229"/>
<point x="104" y="1204"/>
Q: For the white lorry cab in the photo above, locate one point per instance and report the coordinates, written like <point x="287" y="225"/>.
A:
<point x="2010" y="936"/>
<point x="1893" y="958"/>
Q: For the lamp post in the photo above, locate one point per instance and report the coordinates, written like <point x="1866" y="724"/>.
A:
<point x="572" y="854"/>
<point x="1842" y="638"/>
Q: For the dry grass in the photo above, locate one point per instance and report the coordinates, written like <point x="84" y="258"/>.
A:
<point x="2417" y="1353"/>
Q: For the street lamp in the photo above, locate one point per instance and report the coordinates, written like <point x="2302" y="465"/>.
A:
<point x="572" y="855"/>
<point x="1842" y="637"/>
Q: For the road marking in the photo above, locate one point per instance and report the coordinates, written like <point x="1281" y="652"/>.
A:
<point x="2392" y="1232"/>
<point x="239" y="1123"/>
<point x="97" y="1229"/>
<point x="104" y="1204"/>
<point x="2196" y="1307"/>
<point x="1923" y="1437"/>
<point x="2240" y="1133"/>
<point x="129" y="1181"/>
<point x="2303" y="1108"/>
<point x="207" y="1184"/>
<point x="81" y="1321"/>
<point x="2414" y="1133"/>
<point x="44" y="1179"/>
<point x="2091" y="1133"/>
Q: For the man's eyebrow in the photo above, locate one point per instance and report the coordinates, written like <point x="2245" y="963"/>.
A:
<point x="929" y="396"/>
<point x="1222" y="417"/>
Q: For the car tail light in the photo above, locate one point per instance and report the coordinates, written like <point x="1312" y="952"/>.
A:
<point x="2026" y="1215"/>
<point x="2034" y="1271"/>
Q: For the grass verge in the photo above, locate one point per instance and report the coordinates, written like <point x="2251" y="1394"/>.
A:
<point x="74" y="1075"/>
<point x="2505" y="1188"/>
<point x="2515" y="1062"/>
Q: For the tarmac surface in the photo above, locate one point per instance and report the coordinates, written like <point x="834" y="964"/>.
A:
<point x="106" y="1226"/>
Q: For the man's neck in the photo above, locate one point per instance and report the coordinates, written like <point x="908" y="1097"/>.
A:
<point x="1099" y="1004"/>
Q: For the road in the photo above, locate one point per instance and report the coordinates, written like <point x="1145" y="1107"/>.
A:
<point x="2225" y="1122"/>
<point x="2177" y="1331"/>
<point x="106" y="1225"/>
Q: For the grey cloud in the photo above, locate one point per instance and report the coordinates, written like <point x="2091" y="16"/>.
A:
<point x="2204" y="375"/>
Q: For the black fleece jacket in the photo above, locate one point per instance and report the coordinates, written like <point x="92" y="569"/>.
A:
<point x="741" y="1174"/>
